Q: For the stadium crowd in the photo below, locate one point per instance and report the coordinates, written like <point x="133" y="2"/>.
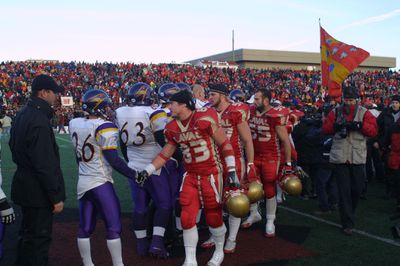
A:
<point x="299" y="86"/>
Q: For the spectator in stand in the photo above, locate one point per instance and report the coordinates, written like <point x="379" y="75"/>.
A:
<point x="61" y="122"/>
<point x="6" y="124"/>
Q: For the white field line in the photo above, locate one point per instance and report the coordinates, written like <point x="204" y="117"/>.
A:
<point x="66" y="140"/>
<point x="386" y="240"/>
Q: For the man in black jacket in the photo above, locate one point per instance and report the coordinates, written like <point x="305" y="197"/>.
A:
<point x="38" y="183"/>
<point x="386" y="120"/>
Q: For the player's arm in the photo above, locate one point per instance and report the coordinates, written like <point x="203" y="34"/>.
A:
<point x="228" y="154"/>
<point x="107" y="137"/>
<point x="160" y="138"/>
<point x="284" y="138"/>
<point x="118" y="164"/>
<point x="124" y="149"/>
<point x="157" y="163"/>
<point x="245" y="137"/>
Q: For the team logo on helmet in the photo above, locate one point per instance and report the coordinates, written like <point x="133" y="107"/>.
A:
<point x="237" y="96"/>
<point x="141" y="94"/>
<point x="95" y="102"/>
<point x="183" y="86"/>
<point x="166" y="91"/>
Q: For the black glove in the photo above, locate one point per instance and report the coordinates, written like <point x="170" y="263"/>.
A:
<point x="337" y="127"/>
<point x="6" y="212"/>
<point x="233" y="179"/>
<point x="354" y="126"/>
<point x="141" y="177"/>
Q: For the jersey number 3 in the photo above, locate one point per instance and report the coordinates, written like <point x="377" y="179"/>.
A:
<point x="200" y="151"/>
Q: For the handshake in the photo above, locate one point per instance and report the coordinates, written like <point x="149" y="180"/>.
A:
<point x="6" y="212"/>
<point x="141" y="177"/>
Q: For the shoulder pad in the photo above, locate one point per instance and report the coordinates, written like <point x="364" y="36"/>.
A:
<point x="278" y="112"/>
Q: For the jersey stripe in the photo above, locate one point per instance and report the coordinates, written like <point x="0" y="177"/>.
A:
<point x="104" y="131"/>
<point x="156" y="115"/>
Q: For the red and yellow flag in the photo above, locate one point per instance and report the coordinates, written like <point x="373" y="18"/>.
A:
<point x="338" y="60"/>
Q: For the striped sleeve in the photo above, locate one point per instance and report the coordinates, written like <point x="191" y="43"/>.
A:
<point x="158" y="120"/>
<point x="107" y="136"/>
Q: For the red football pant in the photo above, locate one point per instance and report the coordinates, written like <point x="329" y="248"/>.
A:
<point x="201" y="191"/>
<point x="268" y="170"/>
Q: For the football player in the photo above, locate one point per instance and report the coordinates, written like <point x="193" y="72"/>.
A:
<point x="198" y="133"/>
<point x="141" y="128"/>
<point x="174" y="166"/>
<point x="267" y="126"/>
<point x="233" y="119"/>
<point x="96" y="140"/>
<point x="6" y="212"/>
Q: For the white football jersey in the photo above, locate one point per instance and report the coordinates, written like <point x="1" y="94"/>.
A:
<point x="137" y="125"/>
<point x="90" y="137"/>
<point x="168" y="113"/>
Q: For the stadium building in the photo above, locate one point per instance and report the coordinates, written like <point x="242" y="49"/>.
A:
<point x="267" y="59"/>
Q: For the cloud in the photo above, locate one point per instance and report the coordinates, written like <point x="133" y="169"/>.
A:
<point x="372" y="19"/>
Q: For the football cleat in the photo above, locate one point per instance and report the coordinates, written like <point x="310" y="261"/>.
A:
<point x="157" y="248"/>
<point x="230" y="246"/>
<point x="209" y="243"/>
<point x="252" y="219"/>
<point x="216" y="259"/>
<point x="270" y="229"/>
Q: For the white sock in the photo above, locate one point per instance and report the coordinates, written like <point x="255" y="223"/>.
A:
<point x="114" y="246"/>
<point x="270" y="209"/>
<point x="158" y="231"/>
<point x="254" y="209"/>
<point x="84" y="250"/>
<point x="218" y="234"/>
<point x="190" y="239"/>
<point x="234" y="224"/>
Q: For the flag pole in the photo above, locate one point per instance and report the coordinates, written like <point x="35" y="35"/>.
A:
<point x="320" y="50"/>
<point x="233" y="45"/>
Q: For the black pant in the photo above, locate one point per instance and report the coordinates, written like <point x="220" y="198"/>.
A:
<point x="350" y="182"/>
<point x="326" y="188"/>
<point x="35" y="236"/>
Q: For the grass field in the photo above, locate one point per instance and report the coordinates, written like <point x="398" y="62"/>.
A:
<point x="371" y="244"/>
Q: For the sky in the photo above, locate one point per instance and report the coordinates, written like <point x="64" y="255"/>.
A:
<point x="167" y="31"/>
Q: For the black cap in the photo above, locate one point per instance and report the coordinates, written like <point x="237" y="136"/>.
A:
<point x="45" y="82"/>
<point x="220" y="88"/>
<point x="396" y="98"/>
<point x="350" y="93"/>
<point x="186" y="97"/>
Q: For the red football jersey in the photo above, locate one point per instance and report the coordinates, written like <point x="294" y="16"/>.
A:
<point x="295" y="116"/>
<point x="262" y="127"/>
<point x="230" y="118"/>
<point x="244" y="109"/>
<point x="200" y="152"/>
